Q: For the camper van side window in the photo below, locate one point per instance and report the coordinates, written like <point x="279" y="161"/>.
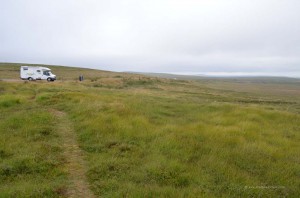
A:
<point x="25" y="68"/>
<point x="38" y="71"/>
<point x="46" y="73"/>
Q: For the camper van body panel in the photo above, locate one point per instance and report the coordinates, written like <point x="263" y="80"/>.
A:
<point x="36" y="73"/>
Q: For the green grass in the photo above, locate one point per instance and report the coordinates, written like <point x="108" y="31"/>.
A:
<point x="151" y="137"/>
<point x="30" y="160"/>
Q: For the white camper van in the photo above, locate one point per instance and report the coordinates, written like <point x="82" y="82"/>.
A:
<point x="36" y="73"/>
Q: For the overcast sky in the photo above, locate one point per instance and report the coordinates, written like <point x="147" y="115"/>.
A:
<point x="259" y="36"/>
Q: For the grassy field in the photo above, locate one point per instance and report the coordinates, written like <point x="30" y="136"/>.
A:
<point x="151" y="137"/>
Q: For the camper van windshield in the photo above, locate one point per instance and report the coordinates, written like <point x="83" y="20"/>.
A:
<point x="47" y="72"/>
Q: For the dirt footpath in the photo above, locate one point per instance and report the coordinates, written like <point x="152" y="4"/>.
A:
<point x="74" y="156"/>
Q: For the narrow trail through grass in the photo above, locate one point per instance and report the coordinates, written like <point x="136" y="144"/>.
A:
<point x="75" y="164"/>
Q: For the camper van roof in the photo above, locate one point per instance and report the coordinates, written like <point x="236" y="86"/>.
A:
<point x="44" y="68"/>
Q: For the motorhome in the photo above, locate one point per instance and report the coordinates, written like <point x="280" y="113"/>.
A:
<point x="36" y="73"/>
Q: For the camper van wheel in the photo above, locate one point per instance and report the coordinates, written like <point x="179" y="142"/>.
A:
<point x="30" y="79"/>
<point x="49" y="79"/>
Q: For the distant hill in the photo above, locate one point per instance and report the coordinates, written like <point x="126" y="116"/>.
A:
<point x="260" y="79"/>
<point x="12" y="71"/>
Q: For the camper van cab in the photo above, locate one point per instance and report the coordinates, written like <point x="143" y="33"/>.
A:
<point x="36" y="73"/>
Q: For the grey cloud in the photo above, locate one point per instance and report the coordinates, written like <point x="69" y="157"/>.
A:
<point x="154" y="36"/>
